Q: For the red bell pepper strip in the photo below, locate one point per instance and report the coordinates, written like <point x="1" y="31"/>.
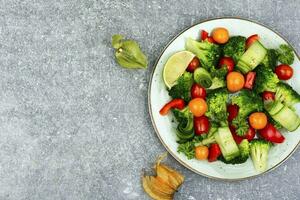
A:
<point x="175" y="103"/>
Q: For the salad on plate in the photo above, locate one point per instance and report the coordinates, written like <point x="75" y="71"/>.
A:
<point x="230" y="98"/>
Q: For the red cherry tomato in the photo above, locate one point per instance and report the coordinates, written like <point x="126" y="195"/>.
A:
<point x="249" y="80"/>
<point x="237" y="139"/>
<point x="201" y="125"/>
<point x="270" y="133"/>
<point x="250" y="134"/>
<point x="268" y="96"/>
<point x="251" y="39"/>
<point x="214" y="152"/>
<point x="175" y="103"/>
<point x="198" y="91"/>
<point x="194" y="64"/>
<point x="284" y="72"/>
<point x="227" y="62"/>
<point x="233" y="111"/>
<point x="204" y="35"/>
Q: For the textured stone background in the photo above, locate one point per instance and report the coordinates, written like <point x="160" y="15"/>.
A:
<point x="74" y="125"/>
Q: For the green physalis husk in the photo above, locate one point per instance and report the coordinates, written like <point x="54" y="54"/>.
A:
<point x="128" y="53"/>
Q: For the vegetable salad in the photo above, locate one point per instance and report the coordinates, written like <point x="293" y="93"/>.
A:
<point x="232" y="102"/>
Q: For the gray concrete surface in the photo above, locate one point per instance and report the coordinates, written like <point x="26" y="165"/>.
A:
<point x="74" y="125"/>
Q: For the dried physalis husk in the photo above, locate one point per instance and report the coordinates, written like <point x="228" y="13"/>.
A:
<point x="165" y="183"/>
<point x="128" y="53"/>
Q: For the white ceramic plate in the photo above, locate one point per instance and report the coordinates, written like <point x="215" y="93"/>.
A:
<point x="165" y="128"/>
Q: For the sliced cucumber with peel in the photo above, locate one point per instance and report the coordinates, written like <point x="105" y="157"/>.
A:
<point x="252" y="57"/>
<point x="282" y="114"/>
<point x="227" y="144"/>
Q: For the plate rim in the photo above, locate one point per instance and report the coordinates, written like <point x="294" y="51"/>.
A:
<point x="150" y="106"/>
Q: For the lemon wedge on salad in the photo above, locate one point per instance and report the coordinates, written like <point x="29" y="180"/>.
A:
<point x="176" y="66"/>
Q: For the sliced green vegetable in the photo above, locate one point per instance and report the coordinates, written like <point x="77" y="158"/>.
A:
<point x="244" y="148"/>
<point x="202" y="77"/>
<point x="252" y="57"/>
<point x="227" y="144"/>
<point x="283" y="115"/>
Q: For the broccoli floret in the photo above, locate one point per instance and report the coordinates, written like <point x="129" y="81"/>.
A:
<point x="242" y="125"/>
<point x="217" y="83"/>
<point x="219" y="73"/>
<point x="183" y="87"/>
<point x="270" y="59"/>
<point x="216" y="103"/>
<point x="259" y="150"/>
<point x="248" y="102"/>
<point x="208" y="53"/>
<point x="244" y="148"/>
<point x="188" y="148"/>
<point x="235" y="47"/>
<point x="286" y="94"/>
<point x="265" y="79"/>
<point x="285" y="54"/>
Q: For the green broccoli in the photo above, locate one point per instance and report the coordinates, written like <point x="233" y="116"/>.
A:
<point x="185" y="126"/>
<point x="235" y="47"/>
<point x="242" y="125"/>
<point x="183" y="87"/>
<point x="216" y="103"/>
<point x="265" y="79"/>
<point x="218" y="73"/>
<point x="217" y="83"/>
<point x="270" y="59"/>
<point x="285" y="54"/>
<point x="286" y="94"/>
<point x="248" y="102"/>
<point x="244" y="148"/>
<point x="188" y="148"/>
<point x="259" y="150"/>
<point x="208" y="53"/>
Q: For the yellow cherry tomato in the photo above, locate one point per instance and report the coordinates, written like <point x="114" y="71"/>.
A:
<point x="198" y="107"/>
<point x="258" y="120"/>
<point x="220" y="35"/>
<point x="235" y="81"/>
<point x="201" y="152"/>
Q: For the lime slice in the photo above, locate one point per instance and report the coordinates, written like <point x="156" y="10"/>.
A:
<point x="176" y="66"/>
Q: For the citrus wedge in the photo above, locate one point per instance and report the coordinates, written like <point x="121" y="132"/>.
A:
<point x="176" y="66"/>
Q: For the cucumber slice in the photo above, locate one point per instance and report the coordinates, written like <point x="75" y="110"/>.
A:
<point x="184" y="136"/>
<point x="252" y="57"/>
<point x="287" y="118"/>
<point x="243" y="67"/>
<point x="227" y="144"/>
<point x="274" y="107"/>
<point x="202" y="77"/>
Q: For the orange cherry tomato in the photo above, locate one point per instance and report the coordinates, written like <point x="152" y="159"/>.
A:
<point x="235" y="81"/>
<point x="258" y="120"/>
<point x="198" y="107"/>
<point x="201" y="152"/>
<point x="220" y="35"/>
